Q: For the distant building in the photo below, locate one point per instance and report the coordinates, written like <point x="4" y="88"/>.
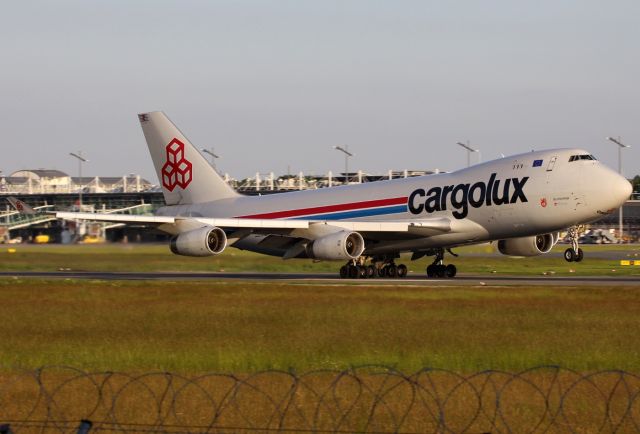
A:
<point x="45" y="181"/>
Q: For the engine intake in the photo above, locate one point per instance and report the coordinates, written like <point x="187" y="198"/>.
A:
<point x="343" y="245"/>
<point x="527" y="246"/>
<point x="205" y="241"/>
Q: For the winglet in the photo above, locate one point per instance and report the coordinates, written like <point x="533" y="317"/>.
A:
<point x="20" y="206"/>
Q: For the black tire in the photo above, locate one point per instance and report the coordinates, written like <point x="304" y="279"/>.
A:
<point x="402" y="271"/>
<point x="431" y="272"/>
<point x="440" y="270"/>
<point x="371" y="271"/>
<point x="353" y="272"/>
<point x="344" y="272"/>
<point x="362" y="272"/>
<point x="580" y="256"/>
<point x="382" y="271"/>
<point x="450" y="271"/>
<point x="569" y="255"/>
<point x="392" y="271"/>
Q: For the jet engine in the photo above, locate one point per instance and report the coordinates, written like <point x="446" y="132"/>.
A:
<point x="527" y="246"/>
<point x="205" y="241"/>
<point x="343" y="245"/>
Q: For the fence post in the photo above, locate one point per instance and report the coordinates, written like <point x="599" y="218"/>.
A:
<point x="84" y="427"/>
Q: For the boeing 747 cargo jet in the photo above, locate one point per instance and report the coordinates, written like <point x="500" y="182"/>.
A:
<point x="522" y="202"/>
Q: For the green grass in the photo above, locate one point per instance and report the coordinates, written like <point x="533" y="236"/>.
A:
<point x="193" y="327"/>
<point x="137" y="257"/>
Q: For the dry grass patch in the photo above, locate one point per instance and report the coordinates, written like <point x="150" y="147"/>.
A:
<point x="360" y="400"/>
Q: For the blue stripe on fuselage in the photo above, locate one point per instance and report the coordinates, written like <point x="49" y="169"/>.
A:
<point x="397" y="209"/>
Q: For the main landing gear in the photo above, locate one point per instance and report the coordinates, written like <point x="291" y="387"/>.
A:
<point x="385" y="266"/>
<point x="438" y="269"/>
<point x="379" y="267"/>
<point x="574" y="253"/>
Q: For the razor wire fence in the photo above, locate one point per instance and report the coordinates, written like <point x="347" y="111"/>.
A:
<point x="368" y="399"/>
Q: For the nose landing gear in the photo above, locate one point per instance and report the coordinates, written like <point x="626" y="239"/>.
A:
<point x="574" y="253"/>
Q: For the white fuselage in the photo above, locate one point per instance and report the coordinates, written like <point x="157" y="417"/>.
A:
<point x="542" y="191"/>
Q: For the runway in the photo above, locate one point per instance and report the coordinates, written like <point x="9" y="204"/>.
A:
<point x="330" y="278"/>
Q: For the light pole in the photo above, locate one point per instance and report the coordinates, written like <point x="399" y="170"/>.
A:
<point x="81" y="160"/>
<point x="347" y="154"/>
<point x="213" y="156"/>
<point x="469" y="151"/>
<point x="620" y="146"/>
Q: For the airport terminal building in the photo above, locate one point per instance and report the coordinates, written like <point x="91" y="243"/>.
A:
<point x="54" y="190"/>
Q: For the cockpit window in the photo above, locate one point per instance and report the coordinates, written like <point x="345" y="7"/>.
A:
<point x="581" y="157"/>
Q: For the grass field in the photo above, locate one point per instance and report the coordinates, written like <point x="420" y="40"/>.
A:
<point x="245" y="327"/>
<point x="194" y="327"/>
<point x="136" y="257"/>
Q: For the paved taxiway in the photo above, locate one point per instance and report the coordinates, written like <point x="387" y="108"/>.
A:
<point x="462" y="279"/>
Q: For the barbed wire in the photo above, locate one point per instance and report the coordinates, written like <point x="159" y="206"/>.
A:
<point x="367" y="399"/>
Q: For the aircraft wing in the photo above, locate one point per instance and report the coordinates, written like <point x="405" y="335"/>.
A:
<point x="184" y="223"/>
<point x="174" y="225"/>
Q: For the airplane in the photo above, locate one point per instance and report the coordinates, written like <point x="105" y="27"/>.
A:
<point x="21" y="206"/>
<point x="522" y="202"/>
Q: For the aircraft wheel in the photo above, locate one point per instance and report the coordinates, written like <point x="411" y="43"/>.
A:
<point x="431" y="272"/>
<point x="440" y="270"/>
<point x="371" y="271"/>
<point x="569" y="255"/>
<point x="353" y="272"/>
<point x="402" y="271"/>
<point x="579" y="256"/>
<point x="382" y="271"/>
<point x="362" y="272"/>
<point x="344" y="272"/>
<point x="392" y="271"/>
<point x="450" y="271"/>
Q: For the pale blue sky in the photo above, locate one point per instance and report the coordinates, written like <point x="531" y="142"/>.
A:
<point x="271" y="84"/>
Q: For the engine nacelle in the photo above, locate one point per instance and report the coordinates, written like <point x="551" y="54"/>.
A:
<point x="205" y="241"/>
<point x="527" y="246"/>
<point x="342" y="245"/>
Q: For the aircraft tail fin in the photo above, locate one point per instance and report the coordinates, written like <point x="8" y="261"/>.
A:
<point x="20" y="206"/>
<point x="185" y="175"/>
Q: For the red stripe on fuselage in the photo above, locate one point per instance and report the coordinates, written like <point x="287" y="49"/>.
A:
<point x="328" y="208"/>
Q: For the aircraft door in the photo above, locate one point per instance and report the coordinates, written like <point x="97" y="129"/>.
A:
<point x="552" y="163"/>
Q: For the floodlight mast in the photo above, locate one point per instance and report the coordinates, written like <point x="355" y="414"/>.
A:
<point x="347" y="154"/>
<point x="213" y="156"/>
<point x="81" y="160"/>
<point x="469" y="151"/>
<point x="621" y="145"/>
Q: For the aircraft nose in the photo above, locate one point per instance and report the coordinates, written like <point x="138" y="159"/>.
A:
<point x="621" y="188"/>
